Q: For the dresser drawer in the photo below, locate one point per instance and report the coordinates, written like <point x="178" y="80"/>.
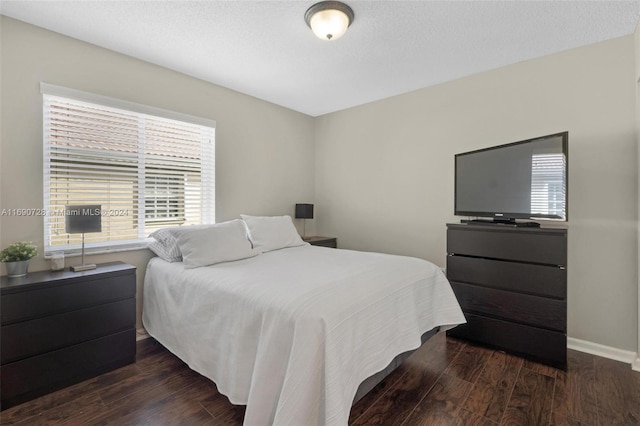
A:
<point x="522" y="308"/>
<point x="29" y="338"/>
<point x="25" y="305"/>
<point x="543" y="280"/>
<point x="548" y="347"/>
<point x="548" y="246"/>
<point x="35" y="376"/>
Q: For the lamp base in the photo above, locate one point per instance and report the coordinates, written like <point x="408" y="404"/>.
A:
<point x="80" y="268"/>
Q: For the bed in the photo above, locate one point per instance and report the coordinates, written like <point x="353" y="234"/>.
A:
<point x="292" y="333"/>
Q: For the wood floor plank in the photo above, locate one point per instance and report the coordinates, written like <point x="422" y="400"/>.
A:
<point x="151" y="362"/>
<point x="531" y="400"/>
<point x="446" y="382"/>
<point x="59" y="415"/>
<point x="164" y="366"/>
<point x="541" y="368"/>
<point x="396" y="404"/>
<point x="469" y="363"/>
<point x="438" y="349"/>
<point x="574" y="397"/>
<point x="423" y="368"/>
<point x="467" y="418"/>
<point x="178" y="408"/>
<point x="618" y="392"/>
<point x="491" y="392"/>
<point x="216" y="404"/>
<point x="147" y="347"/>
<point x="139" y="401"/>
<point x="442" y="404"/>
<point x="67" y="395"/>
<point x="231" y="417"/>
<point x="372" y="396"/>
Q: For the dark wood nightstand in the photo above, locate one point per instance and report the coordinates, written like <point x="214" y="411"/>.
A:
<point x="322" y="241"/>
<point x="60" y="328"/>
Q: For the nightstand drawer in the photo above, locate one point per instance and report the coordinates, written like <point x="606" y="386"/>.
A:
<point x="522" y="308"/>
<point x="31" y="377"/>
<point x="21" y="306"/>
<point x="322" y="241"/>
<point x="540" y="280"/>
<point x="547" y="246"/>
<point x="327" y="243"/>
<point x="29" y="338"/>
<point x="549" y="347"/>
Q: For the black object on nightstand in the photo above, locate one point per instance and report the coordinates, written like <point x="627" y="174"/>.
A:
<point x="322" y="241"/>
<point x="60" y="328"/>
<point x="512" y="286"/>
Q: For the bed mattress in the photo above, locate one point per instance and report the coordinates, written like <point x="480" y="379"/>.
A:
<point x="292" y="333"/>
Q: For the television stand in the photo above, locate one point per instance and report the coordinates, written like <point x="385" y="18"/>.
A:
<point x="507" y="223"/>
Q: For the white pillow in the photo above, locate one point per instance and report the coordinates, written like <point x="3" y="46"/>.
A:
<point x="166" y="246"/>
<point x="272" y="232"/>
<point x="166" y="250"/>
<point x="222" y="242"/>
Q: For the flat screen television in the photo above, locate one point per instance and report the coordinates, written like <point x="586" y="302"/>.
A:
<point x="520" y="180"/>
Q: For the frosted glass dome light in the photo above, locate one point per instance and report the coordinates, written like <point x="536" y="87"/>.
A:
<point x="329" y="20"/>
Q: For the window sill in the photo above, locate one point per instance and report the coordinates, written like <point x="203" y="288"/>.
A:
<point x="68" y="253"/>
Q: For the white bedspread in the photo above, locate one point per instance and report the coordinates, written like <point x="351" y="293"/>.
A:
<point x="292" y="333"/>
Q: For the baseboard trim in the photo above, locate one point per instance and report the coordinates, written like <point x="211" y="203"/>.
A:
<point x="609" y="352"/>
<point x="141" y="334"/>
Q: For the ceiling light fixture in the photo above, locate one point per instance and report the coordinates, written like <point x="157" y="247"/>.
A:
<point x="329" y="20"/>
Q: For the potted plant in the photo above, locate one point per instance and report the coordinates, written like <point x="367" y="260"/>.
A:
<point x="16" y="258"/>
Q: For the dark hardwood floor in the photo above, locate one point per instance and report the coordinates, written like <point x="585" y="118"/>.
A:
<point x="446" y="382"/>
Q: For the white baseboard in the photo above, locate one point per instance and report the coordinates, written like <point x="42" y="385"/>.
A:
<point x="141" y="334"/>
<point x="597" y="349"/>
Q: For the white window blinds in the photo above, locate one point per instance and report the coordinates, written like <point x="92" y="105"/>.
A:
<point x="145" y="169"/>
<point x="548" y="183"/>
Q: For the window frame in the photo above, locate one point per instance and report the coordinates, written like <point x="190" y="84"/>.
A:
<point x="206" y="198"/>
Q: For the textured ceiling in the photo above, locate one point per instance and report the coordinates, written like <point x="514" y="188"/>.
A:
<point x="264" y="48"/>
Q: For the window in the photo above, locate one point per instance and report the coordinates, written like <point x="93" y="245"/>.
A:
<point x="548" y="184"/>
<point x="164" y="199"/>
<point x="148" y="168"/>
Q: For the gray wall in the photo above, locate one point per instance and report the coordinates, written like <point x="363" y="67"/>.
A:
<point x="264" y="153"/>
<point x="384" y="171"/>
<point x="381" y="175"/>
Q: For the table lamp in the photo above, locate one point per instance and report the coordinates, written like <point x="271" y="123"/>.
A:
<point x="80" y="219"/>
<point x="304" y="211"/>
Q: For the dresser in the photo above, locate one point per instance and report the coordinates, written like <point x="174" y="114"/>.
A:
<point x="512" y="286"/>
<point x="60" y="328"/>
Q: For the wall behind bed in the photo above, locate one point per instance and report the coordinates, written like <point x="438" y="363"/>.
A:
<point x="385" y="171"/>
<point x="264" y="153"/>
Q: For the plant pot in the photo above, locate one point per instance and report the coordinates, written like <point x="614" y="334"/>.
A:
<point x="17" y="269"/>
